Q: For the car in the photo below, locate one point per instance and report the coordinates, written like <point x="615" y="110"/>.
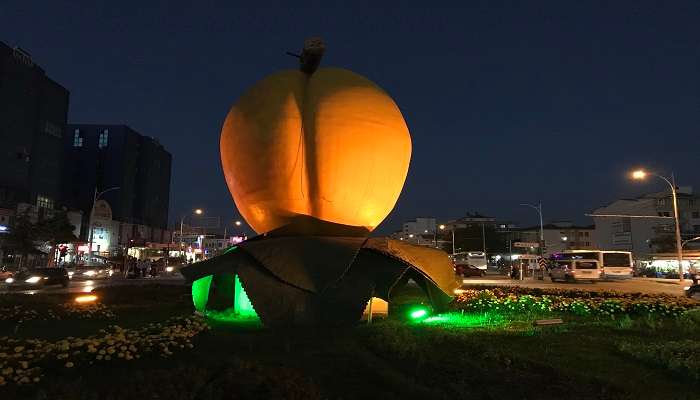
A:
<point x="575" y="270"/>
<point x="38" y="277"/>
<point x="469" y="270"/>
<point x="92" y="271"/>
<point x="693" y="291"/>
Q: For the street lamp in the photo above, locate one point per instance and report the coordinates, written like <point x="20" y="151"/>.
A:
<point x="689" y="240"/>
<point x="92" y="211"/>
<point x="442" y="228"/>
<point x="538" y="208"/>
<point x="197" y="211"/>
<point x="640" y="175"/>
<point x="238" y="223"/>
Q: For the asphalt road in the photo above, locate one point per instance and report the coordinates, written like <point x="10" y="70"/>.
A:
<point x="645" y="285"/>
<point x="80" y="285"/>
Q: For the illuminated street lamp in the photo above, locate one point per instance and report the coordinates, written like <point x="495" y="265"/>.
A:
<point x="92" y="211"/>
<point x="640" y="175"/>
<point x="442" y="228"/>
<point x="197" y="211"/>
<point x="238" y="223"/>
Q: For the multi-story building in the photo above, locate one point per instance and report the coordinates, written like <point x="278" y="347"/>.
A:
<point x="133" y="170"/>
<point x="650" y="221"/>
<point x="33" y="113"/>
<point x="559" y="236"/>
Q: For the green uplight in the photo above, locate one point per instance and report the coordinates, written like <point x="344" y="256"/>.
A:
<point x="459" y="320"/>
<point x="418" y="313"/>
<point x="242" y="309"/>
<point x="230" y="249"/>
<point x="200" y="293"/>
<point x="242" y="305"/>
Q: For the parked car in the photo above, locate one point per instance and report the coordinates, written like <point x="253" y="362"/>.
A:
<point x="575" y="270"/>
<point x="37" y="278"/>
<point x="469" y="270"/>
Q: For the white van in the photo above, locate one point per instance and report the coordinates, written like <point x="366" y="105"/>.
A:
<point x="575" y="270"/>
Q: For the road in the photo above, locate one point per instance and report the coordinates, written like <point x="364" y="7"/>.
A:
<point x="644" y="285"/>
<point x="80" y="285"/>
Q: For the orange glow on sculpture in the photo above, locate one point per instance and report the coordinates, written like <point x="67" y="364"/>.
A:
<point x="331" y="145"/>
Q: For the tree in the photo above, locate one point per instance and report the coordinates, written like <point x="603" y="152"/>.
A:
<point x="21" y="238"/>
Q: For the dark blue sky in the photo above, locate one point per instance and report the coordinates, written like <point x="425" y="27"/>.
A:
<point x="506" y="102"/>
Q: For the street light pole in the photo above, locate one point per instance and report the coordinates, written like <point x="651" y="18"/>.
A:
<point x="92" y="211"/>
<point x="197" y="211"/>
<point x="538" y="208"/>
<point x="679" y="245"/>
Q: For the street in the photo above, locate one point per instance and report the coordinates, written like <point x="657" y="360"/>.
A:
<point x="80" y="285"/>
<point x="644" y="285"/>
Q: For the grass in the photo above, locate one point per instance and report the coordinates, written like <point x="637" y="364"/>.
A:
<point x="459" y="355"/>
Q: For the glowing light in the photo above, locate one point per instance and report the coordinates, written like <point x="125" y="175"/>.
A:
<point x="83" y="248"/>
<point x="418" y="313"/>
<point x="200" y="292"/>
<point x="442" y="227"/>
<point x="241" y="304"/>
<point x="639" y="174"/>
<point x="238" y="223"/>
<point x="169" y="269"/>
<point x="3" y="228"/>
<point x="33" y="279"/>
<point x="87" y="289"/>
<point x="89" y="283"/>
<point x="9" y="280"/>
<point x="89" y="273"/>
<point x="86" y="299"/>
<point x="198" y="211"/>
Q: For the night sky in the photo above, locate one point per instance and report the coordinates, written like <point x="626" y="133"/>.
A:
<point x="506" y="102"/>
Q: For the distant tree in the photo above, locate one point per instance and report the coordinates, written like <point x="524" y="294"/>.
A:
<point x="56" y="229"/>
<point x="22" y="237"/>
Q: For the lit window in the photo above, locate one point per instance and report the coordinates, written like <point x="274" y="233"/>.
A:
<point x="77" y="140"/>
<point x="44" y="202"/>
<point x="104" y="138"/>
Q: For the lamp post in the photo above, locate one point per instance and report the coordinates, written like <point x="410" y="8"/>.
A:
<point x="92" y="211"/>
<point x="640" y="175"/>
<point x="442" y="228"/>
<point x="197" y="211"/>
<point x="689" y="240"/>
<point x="538" y="208"/>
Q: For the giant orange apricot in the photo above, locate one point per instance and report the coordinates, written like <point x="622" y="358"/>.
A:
<point x="330" y="144"/>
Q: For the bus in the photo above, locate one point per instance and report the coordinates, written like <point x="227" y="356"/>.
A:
<point x="475" y="258"/>
<point x="613" y="264"/>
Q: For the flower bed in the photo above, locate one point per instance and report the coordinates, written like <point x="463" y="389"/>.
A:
<point x="23" y="360"/>
<point x="21" y="313"/>
<point x="578" y="302"/>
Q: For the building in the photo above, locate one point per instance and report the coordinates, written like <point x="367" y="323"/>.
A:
<point x="559" y="236"/>
<point x="652" y="224"/>
<point x="133" y="173"/>
<point x="33" y="115"/>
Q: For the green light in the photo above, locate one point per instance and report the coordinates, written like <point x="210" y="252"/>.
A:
<point x="230" y="249"/>
<point x="459" y="320"/>
<point x="241" y="304"/>
<point x="200" y="292"/>
<point x="418" y="313"/>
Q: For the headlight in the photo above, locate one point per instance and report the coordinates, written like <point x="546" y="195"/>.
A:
<point x="168" y="269"/>
<point x="33" y="279"/>
<point x="9" y="280"/>
<point x="89" y="273"/>
<point x="70" y="274"/>
<point x="685" y="288"/>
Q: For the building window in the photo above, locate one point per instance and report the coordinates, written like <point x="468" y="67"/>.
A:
<point x="77" y="140"/>
<point x="52" y="129"/>
<point x="661" y="202"/>
<point x="44" y="202"/>
<point x="104" y="138"/>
